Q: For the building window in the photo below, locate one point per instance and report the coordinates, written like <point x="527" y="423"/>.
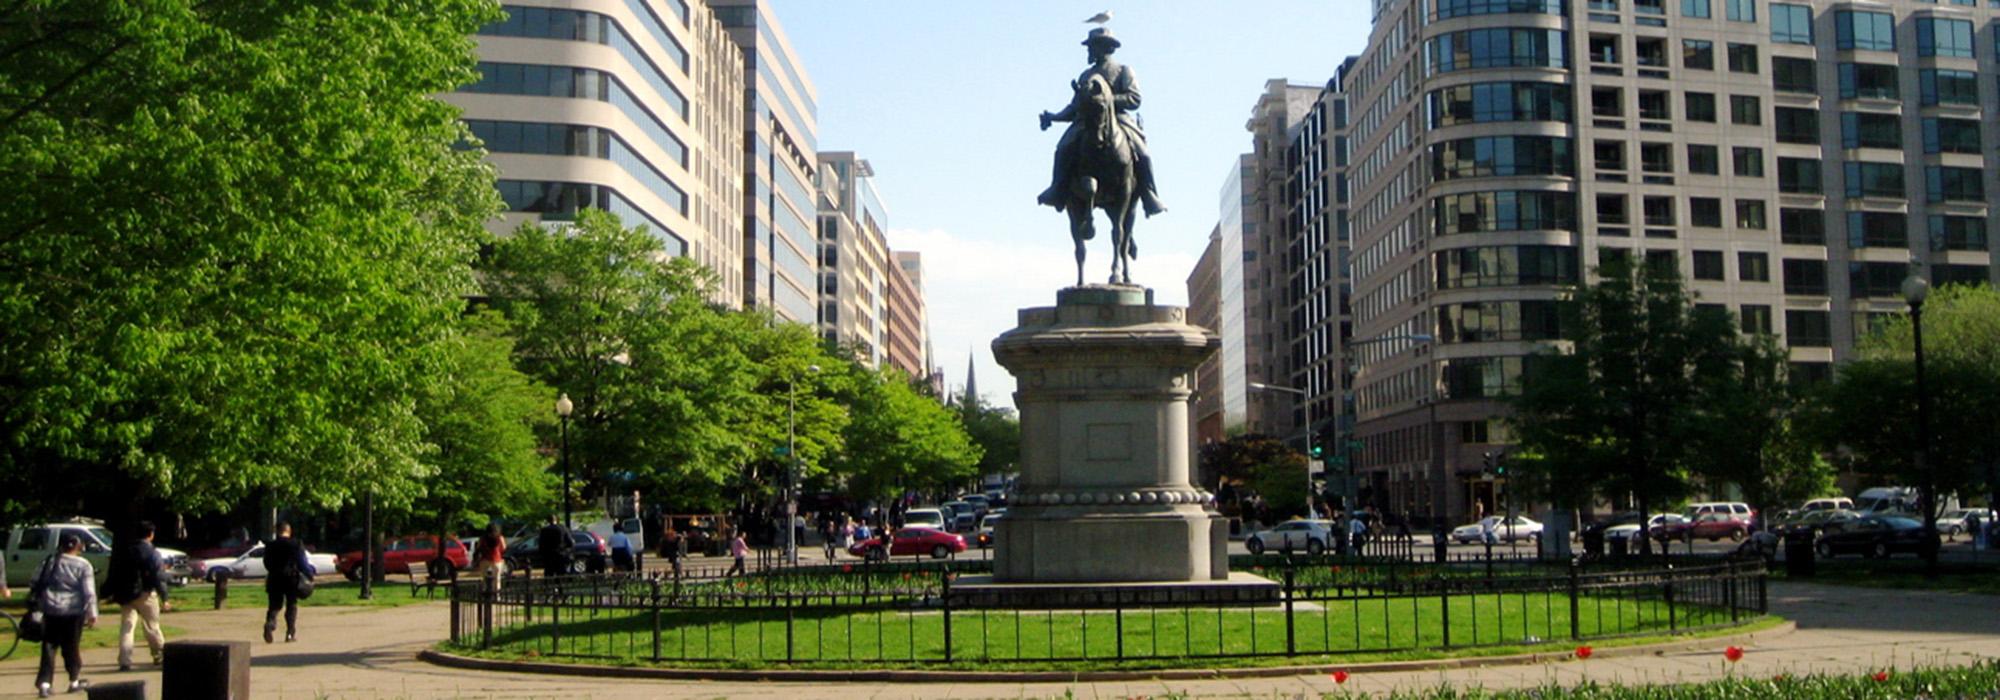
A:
<point x="1483" y="377"/>
<point x="1743" y="58"/>
<point x="1651" y="53"/>
<point x="1938" y="36"/>
<point x="1874" y="179"/>
<point x="1746" y="110"/>
<point x="1741" y="10"/>
<point x="1506" y="266"/>
<point x="1659" y="210"/>
<point x="1808" y="329"/>
<point x="1697" y="54"/>
<point x="1611" y="210"/>
<point x="1866" y="31"/>
<point x="1498" y="48"/>
<point x="1801" y="226"/>
<point x="1708" y="265"/>
<point x="1753" y="267"/>
<point x="1805" y="277"/>
<point x="1700" y="107"/>
<point x="1948" y="87"/>
<point x="1447" y="9"/>
<point x="1502" y="156"/>
<point x="1664" y="262"/>
<point x="1873" y="81"/>
<point x="1490" y="321"/>
<point x="1604" y="48"/>
<point x="1500" y="102"/>
<point x="1755" y="319"/>
<point x="1870" y="130"/>
<point x="1705" y="212"/>
<point x="1480" y="212"/>
<point x="1656" y="157"/>
<point x="1703" y="160"/>
<point x="1949" y="184"/>
<point x="1791" y="24"/>
<point x="1796" y="125"/>
<point x="1876" y="280"/>
<point x="1750" y="214"/>
<point x="1794" y="75"/>
<point x="1958" y="233"/>
<point x="1653" y="105"/>
<point x="1951" y="135"/>
<point x="1799" y="176"/>
<point x="1697" y="9"/>
<point x="1608" y="155"/>
<point x="1877" y="229"/>
<point x="1961" y="274"/>
<point x="1607" y="102"/>
<point x="1747" y="161"/>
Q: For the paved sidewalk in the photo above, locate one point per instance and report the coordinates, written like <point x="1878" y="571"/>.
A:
<point x="366" y="653"/>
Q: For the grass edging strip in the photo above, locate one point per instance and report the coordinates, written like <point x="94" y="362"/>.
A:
<point x="451" y="660"/>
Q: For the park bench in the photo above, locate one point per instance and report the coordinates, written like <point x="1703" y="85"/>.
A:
<point x="422" y="578"/>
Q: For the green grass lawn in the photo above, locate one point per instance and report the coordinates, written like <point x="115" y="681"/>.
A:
<point x="1075" y="640"/>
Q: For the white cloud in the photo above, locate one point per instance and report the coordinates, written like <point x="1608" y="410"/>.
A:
<point x="973" y="289"/>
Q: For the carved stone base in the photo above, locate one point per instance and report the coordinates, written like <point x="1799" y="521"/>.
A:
<point x="1070" y="545"/>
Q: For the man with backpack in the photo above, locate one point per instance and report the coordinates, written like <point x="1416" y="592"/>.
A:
<point x="134" y="583"/>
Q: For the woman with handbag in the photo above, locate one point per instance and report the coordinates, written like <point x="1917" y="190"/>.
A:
<point x="64" y="595"/>
<point x="288" y="577"/>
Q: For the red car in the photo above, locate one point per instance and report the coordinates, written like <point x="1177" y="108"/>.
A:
<point x="397" y="554"/>
<point x="911" y="541"/>
<point x="1710" y="526"/>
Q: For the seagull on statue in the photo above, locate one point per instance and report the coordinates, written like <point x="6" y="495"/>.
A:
<point x="1100" y="18"/>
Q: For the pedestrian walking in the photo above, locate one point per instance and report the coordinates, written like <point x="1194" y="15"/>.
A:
<point x="670" y="547"/>
<point x="489" y="556"/>
<point x="134" y="583"/>
<point x="738" y="549"/>
<point x="830" y="540"/>
<point x="1357" y="530"/>
<point x="286" y="570"/>
<point x="64" y="590"/>
<point x="553" y="548"/>
<point x="621" y="549"/>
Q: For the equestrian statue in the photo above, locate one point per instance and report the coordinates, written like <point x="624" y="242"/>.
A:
<point x="1101" y="161"/>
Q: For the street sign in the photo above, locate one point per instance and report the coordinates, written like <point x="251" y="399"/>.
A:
<point x="1316" y="466"/>
<point x="781" y="450"/>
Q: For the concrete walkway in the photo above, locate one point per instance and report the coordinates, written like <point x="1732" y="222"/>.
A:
<point x="366" y="653"/>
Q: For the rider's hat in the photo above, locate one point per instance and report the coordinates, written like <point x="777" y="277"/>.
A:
<point x="1102" y="35"/>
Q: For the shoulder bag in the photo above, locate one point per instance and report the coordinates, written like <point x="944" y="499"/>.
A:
<point x="33" y="627"/>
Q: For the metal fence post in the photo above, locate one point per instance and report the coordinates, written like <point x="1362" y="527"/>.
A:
<point x="1729" y="592"/>
<point x="1575" y="624"/>
<point x="1444" y="606"/>
<point x="1291" y="639"/>
<point x="1673" y="623"/>
<point x="456" y="617"/>
<point x="945" y="598"/>
<point x="654" y="603"/>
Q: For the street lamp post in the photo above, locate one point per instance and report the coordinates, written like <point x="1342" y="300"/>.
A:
<point x="792" y="467"/>
<point x="1915" y="289"/>
<point x="368" y="544"/>
<point x="1305" y="398"/>
<point x="563" y="408"/>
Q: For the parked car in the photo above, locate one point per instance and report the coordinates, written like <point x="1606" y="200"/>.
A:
<point x="1818" y="521"/>
<point x="1958" y="522"/>
<point x="399" y="553"/>
<point x="1520" y="528"/>
<point x="1309" y="536"/>
<point x="231" y="546"/>
<point x="979" y="502"/>
<point x="26" y="547"/>
<point x="1840" y="503"/>
<point x="1886" y="500"/>
<point x="924" y="517"/>
<point x="959" y="516"/>
<point x="1657" y="527"/>
<point x="1873" y="536"/>
<point x="1713" y="527"/>
<point x="635" y="532"/>
<point x="588" y="551"/>
<point x="911" y="541"/>
<point x="986" y="523"/>
<point x="250" y="564"/>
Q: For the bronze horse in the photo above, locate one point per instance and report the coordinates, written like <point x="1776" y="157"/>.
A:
<point x="1103" y="180"/>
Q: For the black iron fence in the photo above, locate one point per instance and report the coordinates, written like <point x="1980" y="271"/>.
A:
<point x="924" y="614"/>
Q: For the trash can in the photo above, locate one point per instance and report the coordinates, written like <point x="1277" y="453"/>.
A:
<point x="1618" y="546"/>
<point x="1799" y="554"/>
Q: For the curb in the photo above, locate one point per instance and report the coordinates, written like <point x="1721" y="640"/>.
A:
<point x="449" y="660"/>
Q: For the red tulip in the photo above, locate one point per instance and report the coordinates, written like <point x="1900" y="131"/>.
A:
<point x="1336" y="569"/>
<point x="1881" y="676"/>
<point x="846" y="568"/>
<point x="1583" y="652"/>
<point x="1733" y="654"/>
<point x="1339" y="677"/>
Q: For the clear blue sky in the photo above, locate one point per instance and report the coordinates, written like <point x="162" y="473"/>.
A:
<point x="941" y="97"/>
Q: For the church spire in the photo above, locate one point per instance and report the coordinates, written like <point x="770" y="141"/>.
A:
<point x="971" y="382"/>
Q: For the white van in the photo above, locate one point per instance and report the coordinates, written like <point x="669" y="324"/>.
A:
<point x="1827" y="504"/>
<point x="924" y="517"/>
<point x="1886" y="499"/>
<point x="26" y="547"/>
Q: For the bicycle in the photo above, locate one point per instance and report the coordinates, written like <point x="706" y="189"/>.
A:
<point x="10" y="636"/>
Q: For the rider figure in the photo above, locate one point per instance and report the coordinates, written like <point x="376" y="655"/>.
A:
<point x="1126" y="89"/>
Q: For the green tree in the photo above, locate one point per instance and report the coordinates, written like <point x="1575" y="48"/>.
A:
<point x="1236" y="459"/>
<point x="482" y="418"/>
<point x="997" y="432"/>
<point x="1868" y="413"/>
<point x="1281" y="480"/>
<point x="1745" y="431"/>
<point x="239" y="232"/>
<point x="900" y="438"/>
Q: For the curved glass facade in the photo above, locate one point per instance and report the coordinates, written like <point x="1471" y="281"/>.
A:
<point x="1481" y="212"/>
<point x="1500" y="102"/>
<point x="580" y="83"/>
<point x="559" y="201"/>
<point x="1447" y="9"/>
<point x="576" y="140"/>
<point x="1502" y="156"/>
<point x="1488" y="321"/>
<point x="577" y="25"/>
<point x="1505" y="266"/>
<point x="1502" y="47"/>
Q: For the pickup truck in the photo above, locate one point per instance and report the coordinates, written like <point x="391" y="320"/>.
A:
<point x="26" y="547"/>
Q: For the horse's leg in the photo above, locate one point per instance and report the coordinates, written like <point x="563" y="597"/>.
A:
<point x="1112" y="212"/>
<point x="1079" y="231"/>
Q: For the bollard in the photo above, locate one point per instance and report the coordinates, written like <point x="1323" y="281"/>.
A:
<point x="201" y="670"/>
<point x="221" y="589"/>
<point x="122" y="690"/>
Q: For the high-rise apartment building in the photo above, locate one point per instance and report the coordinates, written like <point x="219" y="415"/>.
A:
<point x="780" y="148"/>
<point x="1274" y="121"/>
<point x="1794" y="160"/>
<point x="1315" y="238"/>
<point x="1240" y="270"/>
<point x="625" y="105"/>
<point x="908" y="341"/>
<point x="1204" y="286"/>
<point x="854" y="261"/>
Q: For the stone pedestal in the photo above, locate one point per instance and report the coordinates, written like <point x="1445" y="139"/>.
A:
<point x="1104" y="493"/>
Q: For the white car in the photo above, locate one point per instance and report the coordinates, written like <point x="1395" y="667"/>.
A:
<point x="986" y="522"/>
<point x="924" y="517"/>
<point x="1521" y="528"/>
<point x="1309" y="536"/>
<point x="1629" y="530"/>
<point x="251" y="565"/>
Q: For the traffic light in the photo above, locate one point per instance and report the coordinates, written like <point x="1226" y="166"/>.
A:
<point x="1487" y="463"/>
<point x="1317" y="451"/>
